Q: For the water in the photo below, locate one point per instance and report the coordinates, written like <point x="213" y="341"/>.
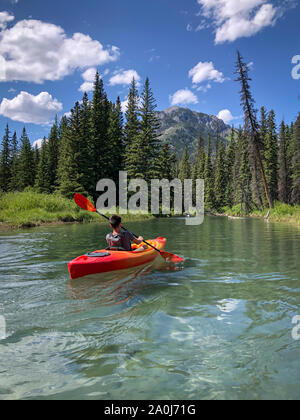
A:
<point x="219" y="327"/>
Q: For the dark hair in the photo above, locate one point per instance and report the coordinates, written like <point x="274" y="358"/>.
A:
<point x="115" y="220"/>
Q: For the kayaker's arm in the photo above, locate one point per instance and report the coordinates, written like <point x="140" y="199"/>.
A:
<point x="139" y="240"/>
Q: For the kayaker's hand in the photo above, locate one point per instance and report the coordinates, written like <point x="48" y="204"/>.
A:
<point x="140" y="239"/>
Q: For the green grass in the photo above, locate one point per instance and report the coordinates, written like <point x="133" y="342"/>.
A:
<point x="280" y="213"/>
<point x="32" y="209"/>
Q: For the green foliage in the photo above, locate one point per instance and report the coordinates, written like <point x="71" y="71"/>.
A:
<point x="26" y="169"/>
<point x="296" y="163"/>
<point x="29" y="208"/>
<point x="209" y="195"/>
<point x="185" y="167"/>
<point x="221" y="180"/>
<point x="271" y="157"/>
<point x="5" y="161"/>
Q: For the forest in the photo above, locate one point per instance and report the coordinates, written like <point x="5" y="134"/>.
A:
<point x="258" y="166"/>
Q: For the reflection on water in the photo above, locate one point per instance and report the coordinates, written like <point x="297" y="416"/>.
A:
<point x="217" y="327"/>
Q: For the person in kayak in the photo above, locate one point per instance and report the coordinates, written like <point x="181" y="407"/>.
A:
<point x="120" y="240"/>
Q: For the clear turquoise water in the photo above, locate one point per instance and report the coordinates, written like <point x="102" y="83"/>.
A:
<point x="220" y="327"/>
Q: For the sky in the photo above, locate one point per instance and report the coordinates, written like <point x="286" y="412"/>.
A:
<point x="50" y="51"/>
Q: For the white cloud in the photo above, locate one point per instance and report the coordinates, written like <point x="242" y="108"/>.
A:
<point x="226" y="116"/>
<point x="5" y="18"/>
<point x="203" y="89"/>
<point x="234" y="19"/>
<point x="124" y="78"/>
<point x="124" y="106"/>
<point x="38" y="143"/>
<point x="183" y="97"/>
<point x="205" y="71"/>
<point x="89" y="78"/>
<point x="28" y="108"/>
<point x="35" y="51"/>
<point x="189" y="28"/>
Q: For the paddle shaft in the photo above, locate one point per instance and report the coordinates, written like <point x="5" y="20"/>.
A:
<point x="147" y="243"/>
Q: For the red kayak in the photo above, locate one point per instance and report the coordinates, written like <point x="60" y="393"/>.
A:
<point x="104" y="261"/>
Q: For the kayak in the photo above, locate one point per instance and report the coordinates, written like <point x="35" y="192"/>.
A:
<point x="104" y="261"/>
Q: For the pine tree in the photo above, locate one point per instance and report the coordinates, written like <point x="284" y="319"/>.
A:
<point x="245" y="176"/>
<point x="289" y="159"/>
<point x="167" y="160"/>
<point x="271" y="157"/>
<point x="14" y="180"/>
<point x="132" y="131"/>
<point x="199" y="164"/>
<point x="221" y="177"/>
<point x="149" y="126"/>
<point x="116" y="141"/>
<point x="250" y="119"/>
<point x="208" y="179"/>
<point x="99" y="136"/>
<point x="263" y="128"/>
<point x="5" y="161"/>
<point x="26" y="163"/>
<point x="43" y="178"/>
<point x="53" y="149"/>
<point x="70" y="175"/>
<point x="296" y="163"/>
<point x="85" y="144"/>
<point x="230" y="158"/>
<point x="283" y="187"/>
<point x="185" y="166"/>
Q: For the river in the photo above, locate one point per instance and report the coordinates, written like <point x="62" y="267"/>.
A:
<point x="219" y="327"/>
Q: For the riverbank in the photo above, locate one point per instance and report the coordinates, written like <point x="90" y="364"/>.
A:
<point x="280" y="213"/>
<point x="30" y="209"/>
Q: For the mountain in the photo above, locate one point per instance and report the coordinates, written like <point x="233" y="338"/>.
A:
<point x="182" y="127"/>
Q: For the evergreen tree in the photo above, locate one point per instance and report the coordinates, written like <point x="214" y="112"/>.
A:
<point x="5" y="161"/>
<point x="263" y="128"/>
<point x="230" y="158"/>
<point x="245" y="176"/>
<point x="167" y="160"/>
<point x="26" y="170"/>
<point x="116" y="141"/>
<point x="132" y="131"/>
<point x="14" y="180"/>
<point x="251" y="123"/>
<point x="43" y="178"/>
<point x="296" y="163"/>
<point x="70" y="174"/>
<point x="185" y="166"/>
<point x="221" y="177"/>
<point x="99" y="128"/>
<point x="289" y="159"/>
<point x="53" y="149"/>
<point x="271" y="157"/>
<point x="283" y="182"/>
<point x="208" y="179"/>
<point x="85" y="146"/>
<point x="150" y="142"/>
<point x="199" y="164"/>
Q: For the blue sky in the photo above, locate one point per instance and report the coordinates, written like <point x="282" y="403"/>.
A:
<point x="48" y="50"/>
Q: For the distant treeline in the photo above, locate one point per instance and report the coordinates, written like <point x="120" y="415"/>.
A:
<point x="96" y="142"/>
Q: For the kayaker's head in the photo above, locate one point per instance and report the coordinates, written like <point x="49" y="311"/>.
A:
<point x="115" y="222"/>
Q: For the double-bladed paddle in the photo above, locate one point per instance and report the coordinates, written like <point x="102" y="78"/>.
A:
<point x="85" y="204"/>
